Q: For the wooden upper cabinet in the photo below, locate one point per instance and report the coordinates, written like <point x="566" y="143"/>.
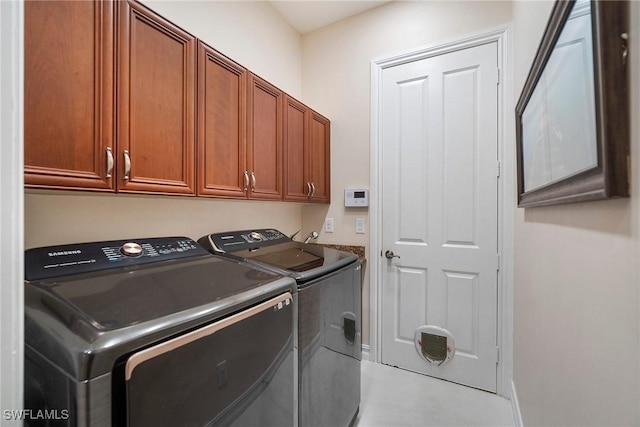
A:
<point x="222" y="128"/>
<point x="68" y="94"/>
<point x="319" y="158"/>
<point x="296" y="151"/>
<point x="306" y="154"/>
<point x="110" y="105"/>
<point x="156" y="103"/>
<point x="264" y="139"/>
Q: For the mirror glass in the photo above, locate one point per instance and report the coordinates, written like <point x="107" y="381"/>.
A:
<point x="559" y="137"/>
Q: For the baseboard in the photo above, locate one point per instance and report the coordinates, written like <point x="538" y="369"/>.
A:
<point x="515" y="407"/>
<point x="365" y="352"/>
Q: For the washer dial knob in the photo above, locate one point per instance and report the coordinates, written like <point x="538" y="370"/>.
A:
<point x="131" y="249"/>
<point x="256" y="236"/>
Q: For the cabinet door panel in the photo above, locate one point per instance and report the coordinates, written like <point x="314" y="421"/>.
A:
<point x="319" y="140"/>
<point x="68" y="94"/>
<point x="295" y="165"/>
<point x="156" y="104"/>
<point x="221" y="125"/>
<point x="264" y="139"/>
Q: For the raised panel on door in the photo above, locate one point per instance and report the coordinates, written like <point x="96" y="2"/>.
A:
<point x="264" y="139"/>
<point x="295" y="169"/>
<point x="68" y="94"/>
<point x="319" y="158"/>
<point x="156" y="119"/>
<point x="221" y="125"/>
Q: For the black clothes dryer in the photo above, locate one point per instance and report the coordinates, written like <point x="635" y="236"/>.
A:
<point x="329" y="317"/>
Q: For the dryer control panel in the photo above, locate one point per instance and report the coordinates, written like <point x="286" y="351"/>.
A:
<point x="55" y="261"/>
<point x="233" y="241"/>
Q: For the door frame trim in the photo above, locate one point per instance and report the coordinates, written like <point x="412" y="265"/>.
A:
<point x="12" y="215"/>
<point x="506" y="201"/>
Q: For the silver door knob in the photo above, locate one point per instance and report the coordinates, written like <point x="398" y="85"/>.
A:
<point x="391" y="255"/>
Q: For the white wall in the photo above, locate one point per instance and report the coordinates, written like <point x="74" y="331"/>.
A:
<point x="336" y="81"/>
<point x="57" y="217"/>
<point x="254" y="35"/>
<point x="577" y="298"/>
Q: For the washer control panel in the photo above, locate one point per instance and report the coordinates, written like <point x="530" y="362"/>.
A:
<point x="233" y="241"/>
<point x="55" y="261"/>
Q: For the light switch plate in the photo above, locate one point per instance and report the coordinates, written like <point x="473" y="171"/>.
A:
<point x="359" y="225"/>
<point x="328" y="225"/>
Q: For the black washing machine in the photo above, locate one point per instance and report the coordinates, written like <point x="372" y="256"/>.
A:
<point x="329" y="317"/>
<point x="156" y="332"/>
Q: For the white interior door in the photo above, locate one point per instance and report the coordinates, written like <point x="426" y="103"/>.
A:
<point x="440" y="211"/>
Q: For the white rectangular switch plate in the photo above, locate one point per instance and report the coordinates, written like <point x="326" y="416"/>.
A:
<point x="328" y="225"/>
<point x="359" y="225"/>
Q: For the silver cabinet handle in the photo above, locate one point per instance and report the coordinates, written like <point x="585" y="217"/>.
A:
<point x="391" y="255"/>
<point x="253" y="182"/>
<point x="109" y="162"/>
<point x="246" y="180"/>
<point x="313" y="189"/>
<point x="127" y="165"/>
<point x="308" y="189"/>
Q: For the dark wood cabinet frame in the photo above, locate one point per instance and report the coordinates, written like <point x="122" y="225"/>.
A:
<point x="609" y="178"/>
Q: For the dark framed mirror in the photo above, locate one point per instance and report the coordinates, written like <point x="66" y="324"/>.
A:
<point x="572" y="118"/>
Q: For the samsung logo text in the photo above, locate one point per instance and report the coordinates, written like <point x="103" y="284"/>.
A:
<point x="74" y="252"/>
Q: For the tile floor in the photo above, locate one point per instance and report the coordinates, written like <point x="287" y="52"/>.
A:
<point x="394" y="397"/>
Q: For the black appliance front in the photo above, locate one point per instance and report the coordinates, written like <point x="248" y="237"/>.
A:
<point x="329" y="317"/>
<point x="169" y="336"/>
<point x="230" y="372"/>
<point x="330" y="349"/>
